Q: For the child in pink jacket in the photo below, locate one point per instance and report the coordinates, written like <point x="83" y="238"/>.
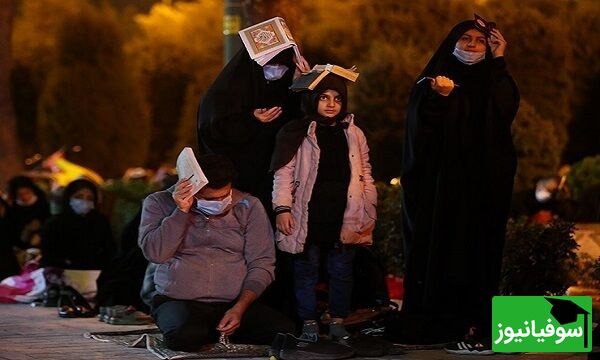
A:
<point x="324" y="198"/>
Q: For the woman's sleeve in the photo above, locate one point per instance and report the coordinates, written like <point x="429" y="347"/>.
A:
<point x="505" y="94"/>
<point x="432" y="110"/>
<point x="424" y="130"/>
<point x="233" y="128"/>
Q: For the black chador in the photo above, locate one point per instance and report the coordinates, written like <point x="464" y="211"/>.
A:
<point x="74" y="241"/>
<point x="457" y="173"/>
<point x="226" y="124"/>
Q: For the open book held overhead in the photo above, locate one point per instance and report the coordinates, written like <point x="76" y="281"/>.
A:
<point x="188" y="168"/>
<point x="309" y="80"/>
<point x="267" y="39"/>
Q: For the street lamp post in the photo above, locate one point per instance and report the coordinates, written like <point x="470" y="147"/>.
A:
<point x="233" y="18"/>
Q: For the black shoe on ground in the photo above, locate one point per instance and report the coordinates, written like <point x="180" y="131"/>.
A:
<point x="365" y="345"/>
<point x="295" y="349"/>
<point x="65" y="306"/>
<point x="469" y="348"/>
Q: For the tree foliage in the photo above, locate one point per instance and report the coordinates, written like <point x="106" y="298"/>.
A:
<point x="537" y="147"/>
<point x="538" y="259"/>
<point x="175" y="49"/>
<point x="9" y="144"/>
<point x="584" y="20"/>
<point x="538" y="47"/>
<point x="179" y="49"/>
<point x="380" y="104"/>
<point x="90" y="98"/>
<point x="34" y="40"/>
<point x="584" y="186"/>
<point x="387" y="236"/>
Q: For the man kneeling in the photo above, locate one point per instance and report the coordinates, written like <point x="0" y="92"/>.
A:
<point x="215" y="254"/>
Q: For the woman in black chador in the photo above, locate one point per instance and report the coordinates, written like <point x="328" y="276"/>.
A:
<point x="241" y="113"/>
<point x="79" y="237"/>
<point x="29" y="210"/>
<point x="458" y="168"/>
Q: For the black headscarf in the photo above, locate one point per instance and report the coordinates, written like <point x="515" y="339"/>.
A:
<point x="291" y="135"/>
<point x="19" y="182"/>
<point x="457" y="175"/>
<point x="72" y="241"/>
<point x="226" y="108"/>
<point x="23" y="221"/>
<point x="8" y="261"/>
<point x="74" y="187"/>
<point x="227" y="126"/>
<point x="439" y="62"/>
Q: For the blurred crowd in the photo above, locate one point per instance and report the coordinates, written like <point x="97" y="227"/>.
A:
<point x="66" y="216"/>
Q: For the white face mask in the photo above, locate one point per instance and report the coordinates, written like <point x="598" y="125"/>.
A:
<point x="213" y="207"/>
<point x="27" y="203"/>
<point x="80" y="206"/>
<point x="274" y="72"/>
<point x="468" y="57"/>
<point x="542" y="195"/>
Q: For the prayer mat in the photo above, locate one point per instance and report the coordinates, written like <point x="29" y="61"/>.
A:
<point x="152" y="340"/>
<point x="412" y="347"/>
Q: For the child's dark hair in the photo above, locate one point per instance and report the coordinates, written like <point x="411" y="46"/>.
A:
<point x="219" y="170"/>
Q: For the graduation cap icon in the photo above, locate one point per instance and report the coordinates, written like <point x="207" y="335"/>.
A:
<point x="484" y="26"/>
<point x="566" y="312"/>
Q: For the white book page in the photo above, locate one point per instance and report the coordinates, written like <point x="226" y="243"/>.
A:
<point x="188" y="168"/>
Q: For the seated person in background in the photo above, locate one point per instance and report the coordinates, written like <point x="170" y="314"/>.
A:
<point x="542" y="200"/>
<point x="28" y="211"/>
<point x="215" y="254"/>
<point x="8" y="261"/>
<point x="80" y="237"/>
<point x="121" y="282"/>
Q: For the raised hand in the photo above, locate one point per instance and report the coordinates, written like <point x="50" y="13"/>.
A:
<point x="497" y="43"/>
<point x="302" y="66"/>
<point x="183" y="195"/>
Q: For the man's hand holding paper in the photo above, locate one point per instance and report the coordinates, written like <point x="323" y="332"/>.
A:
<point x="191" y="179"/>
<point x="183" y="195"/>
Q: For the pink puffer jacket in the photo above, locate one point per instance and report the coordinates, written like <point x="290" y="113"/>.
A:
<point x="293" y="185"/>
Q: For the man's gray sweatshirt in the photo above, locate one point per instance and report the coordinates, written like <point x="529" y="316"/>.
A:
<point x="208" y="258"/>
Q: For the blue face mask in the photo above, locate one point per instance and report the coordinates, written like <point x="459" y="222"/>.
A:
<point x="213" y="207"/>
<point x="468" y="57"/>
<point x="274" y="72"/>
<point x="80" y="206"/>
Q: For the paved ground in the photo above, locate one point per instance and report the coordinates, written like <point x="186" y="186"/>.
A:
<point x="588" y="238"/>
<point x="38" y="333"/>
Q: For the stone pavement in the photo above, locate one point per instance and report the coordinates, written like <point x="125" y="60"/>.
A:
<point x="38" y="333"/>
<point x="588" y="238"/>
